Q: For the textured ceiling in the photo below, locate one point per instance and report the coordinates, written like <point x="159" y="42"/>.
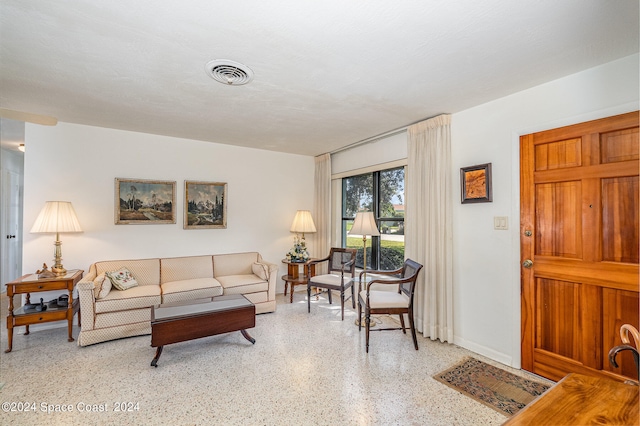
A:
<point x="327" y="74"/>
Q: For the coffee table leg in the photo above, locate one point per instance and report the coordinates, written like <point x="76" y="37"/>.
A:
<point x="154" y="362"/>
<point x="247" y="336"/>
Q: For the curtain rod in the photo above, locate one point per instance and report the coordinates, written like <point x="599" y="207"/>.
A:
<point x="381" y="135"/>
<point x="371" y="139"/>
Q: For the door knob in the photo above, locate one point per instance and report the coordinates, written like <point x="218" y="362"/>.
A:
<point x="527" y="263"/>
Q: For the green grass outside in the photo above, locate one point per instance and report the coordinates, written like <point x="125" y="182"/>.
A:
<point x="356" y="242"/>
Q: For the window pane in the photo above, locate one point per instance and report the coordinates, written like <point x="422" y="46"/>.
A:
<point x="391" y="244"/>
<point x="392" y="193"/>
<point x="382" y="193"/>
<point x="358" y="194"/>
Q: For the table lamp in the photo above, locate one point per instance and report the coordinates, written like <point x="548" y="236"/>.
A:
<point x="56" y="217"/>
<point x="303" y="222"/>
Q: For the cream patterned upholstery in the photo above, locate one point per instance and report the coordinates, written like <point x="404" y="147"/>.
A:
<point x="234" y="264"/>
<point x="185" y="268"/>
<point x="128" y="313"/>
<point x="145" y="271"/>
<point x="133" y="298"/>
<point x="243" y="284"/>
<point x="196" y="288"/>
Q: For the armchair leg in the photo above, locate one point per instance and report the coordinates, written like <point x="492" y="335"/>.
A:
<point x="359" y="316"/>
<point x="353" y="297"/>
<point x="308" y="298"/>
<point x="367" y="320"/>
<point x="329" y="294"/>
<point x="404" y="330"/>
<point x="342" y="303"/>
<point x="413" y="330"/>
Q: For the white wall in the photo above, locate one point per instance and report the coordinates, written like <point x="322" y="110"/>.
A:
<point x="79" y="164"/>
<point x="486" y="261"/>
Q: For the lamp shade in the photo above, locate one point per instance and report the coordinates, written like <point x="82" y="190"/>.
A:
<point x="364" y="224"/>
<point x="303" y="222"/>
<point x="56" y="216"/>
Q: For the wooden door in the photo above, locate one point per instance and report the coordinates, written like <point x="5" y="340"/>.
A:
<point x="579" y="211"/>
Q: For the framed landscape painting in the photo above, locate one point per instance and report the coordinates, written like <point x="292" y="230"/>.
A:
<point x="205" y="205"/>
<point x="140" y="201"/>
<point x="475" y="184"/>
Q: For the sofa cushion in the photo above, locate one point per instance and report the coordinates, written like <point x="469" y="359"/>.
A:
<point x="185" y="268"/>
<point x="233" y="264"/>
<point x="123" y="318"/>
<point x="242" y="284"/>
<point x="198" y="288"/>
<point x="102" y="286"/>
<point x="146" y="271"/>
<point x="121" y="279"/>
<point x="261" y="270"/>
<point x="135" y="298"/>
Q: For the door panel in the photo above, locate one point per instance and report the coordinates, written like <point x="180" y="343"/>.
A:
<point x="558" y="220"/>
<point x="579" y="225"/>
<point x="620" y="219"/>
<point x="558" y="315"/>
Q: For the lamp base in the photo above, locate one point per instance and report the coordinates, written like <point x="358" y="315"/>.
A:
<point x="359" y="321"/>
<point x="59" y="270"/>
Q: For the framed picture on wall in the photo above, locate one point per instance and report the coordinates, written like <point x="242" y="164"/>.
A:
<point x="475" y="184"/>
<point x="140" y="201"/>
<point x="205" y="205"/>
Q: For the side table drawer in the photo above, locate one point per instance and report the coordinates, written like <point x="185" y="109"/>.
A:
<point x="39" y="317"/>
<point x="36" y="287"/>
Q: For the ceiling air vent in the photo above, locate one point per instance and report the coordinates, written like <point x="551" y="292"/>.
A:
<point x="229" y="72"/>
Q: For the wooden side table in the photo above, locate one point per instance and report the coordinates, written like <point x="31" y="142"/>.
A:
<point x="30" y="283"/>
<point x="293" y="275"/>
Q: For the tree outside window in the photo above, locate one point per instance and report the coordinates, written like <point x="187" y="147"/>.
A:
<point x="382" y="193"/>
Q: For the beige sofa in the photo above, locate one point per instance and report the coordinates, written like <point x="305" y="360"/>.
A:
<point x="125" y="313"/>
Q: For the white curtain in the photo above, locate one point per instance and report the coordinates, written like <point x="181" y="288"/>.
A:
<point x="428" y="224"/>
<point x="322" y="205"/>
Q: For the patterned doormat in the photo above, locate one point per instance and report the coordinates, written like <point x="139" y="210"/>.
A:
<point x="503" y="391"/>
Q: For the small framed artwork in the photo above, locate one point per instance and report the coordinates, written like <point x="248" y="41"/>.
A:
<point x="141" y="201"/>
<point x="475" y="184"/>
<point x="205" y="205"/>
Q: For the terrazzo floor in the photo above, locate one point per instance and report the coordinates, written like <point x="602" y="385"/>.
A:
<point x="304" y="369"/>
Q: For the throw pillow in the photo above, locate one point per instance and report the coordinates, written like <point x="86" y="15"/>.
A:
<point x="102" y="286"/>
<point x="121" y="279"/>
<point x="260" y="270"/>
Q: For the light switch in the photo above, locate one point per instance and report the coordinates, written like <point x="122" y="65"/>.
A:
<point x="501" y="222"/>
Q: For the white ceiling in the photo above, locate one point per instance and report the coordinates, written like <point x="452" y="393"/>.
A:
<point x="327" y="74"/>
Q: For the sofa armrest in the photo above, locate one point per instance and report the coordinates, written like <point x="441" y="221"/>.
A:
<point x="87" y="299"/>
<point x="273" y="276"/>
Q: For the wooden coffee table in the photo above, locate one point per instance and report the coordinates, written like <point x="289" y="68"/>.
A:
<point x="182" y="321"/>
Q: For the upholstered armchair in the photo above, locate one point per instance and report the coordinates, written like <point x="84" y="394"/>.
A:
<point x="390" y="302"/>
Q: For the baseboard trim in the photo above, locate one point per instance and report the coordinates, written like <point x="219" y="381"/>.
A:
<point x="485" y="351"/>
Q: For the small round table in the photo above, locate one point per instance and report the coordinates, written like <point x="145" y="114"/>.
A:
<point x="293" y="276"/>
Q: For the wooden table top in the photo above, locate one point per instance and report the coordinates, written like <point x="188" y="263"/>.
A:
<point x="582" y="400"/>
